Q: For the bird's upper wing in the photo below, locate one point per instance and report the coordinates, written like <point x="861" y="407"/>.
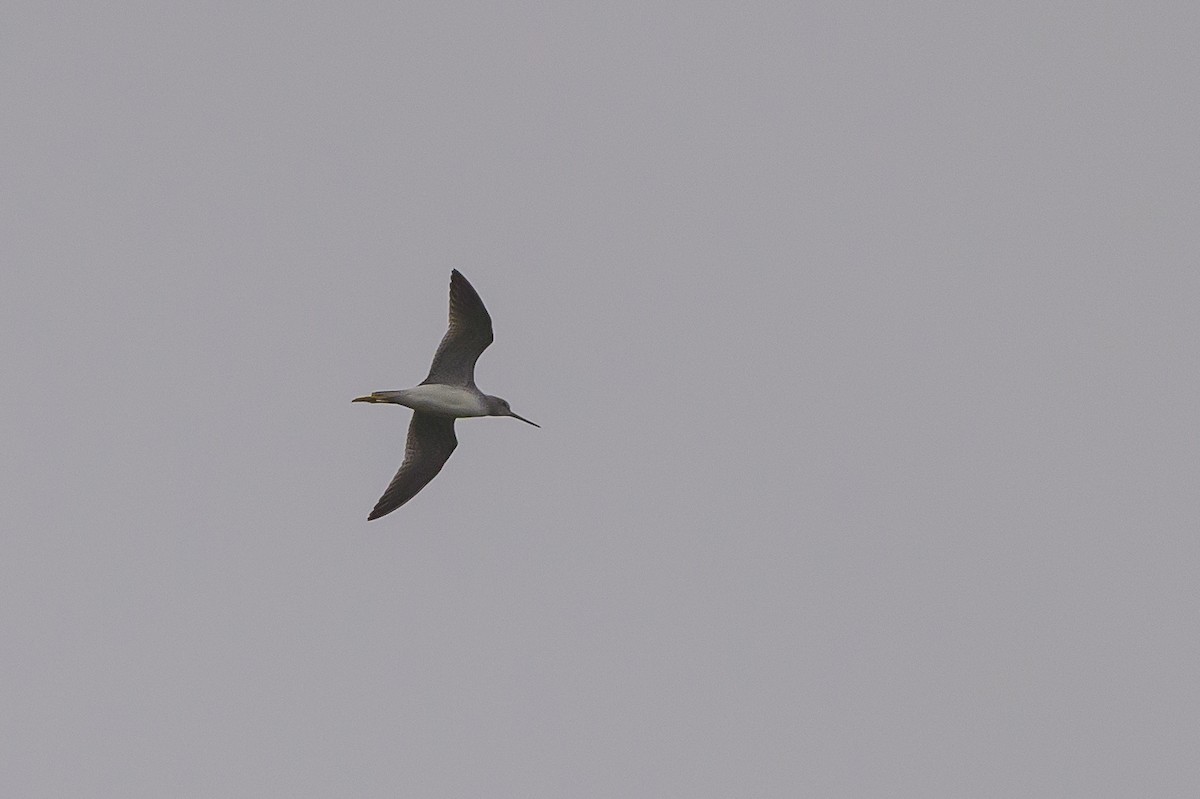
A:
<point x="469" y="334"/>
<point x="431" y="439"/>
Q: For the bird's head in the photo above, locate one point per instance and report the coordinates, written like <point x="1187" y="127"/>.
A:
<point x="499" y="407"/>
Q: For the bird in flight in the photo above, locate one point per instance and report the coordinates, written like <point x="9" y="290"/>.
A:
<point x="448" y="393"/>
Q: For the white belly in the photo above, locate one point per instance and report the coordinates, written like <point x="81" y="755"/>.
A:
<point x="443" y="401"/>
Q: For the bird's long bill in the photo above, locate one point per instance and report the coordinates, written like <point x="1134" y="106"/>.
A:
<point x="523" y="419"/>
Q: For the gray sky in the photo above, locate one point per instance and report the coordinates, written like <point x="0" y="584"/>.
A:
<point x="863" y="338"/>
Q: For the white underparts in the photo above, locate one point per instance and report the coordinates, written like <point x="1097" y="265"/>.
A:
<point x="441" y="400"/>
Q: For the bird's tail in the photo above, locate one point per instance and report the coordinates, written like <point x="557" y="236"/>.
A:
<point x="377" y="396"/>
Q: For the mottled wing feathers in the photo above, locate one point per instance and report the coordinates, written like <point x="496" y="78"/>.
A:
<point x="469" y="334"/>
<point x="431" y="439"/>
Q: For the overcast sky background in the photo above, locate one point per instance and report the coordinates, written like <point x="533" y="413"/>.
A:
<point x="863" y="336"/>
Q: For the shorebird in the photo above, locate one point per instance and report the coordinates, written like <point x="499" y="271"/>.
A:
<point x="448" y="393"/>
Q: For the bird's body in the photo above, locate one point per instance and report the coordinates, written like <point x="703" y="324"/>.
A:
<point x="438" y="399"/>
<point x="448" y="393"/>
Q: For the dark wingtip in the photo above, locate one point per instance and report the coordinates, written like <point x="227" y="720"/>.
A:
<point x="380" y="510"/>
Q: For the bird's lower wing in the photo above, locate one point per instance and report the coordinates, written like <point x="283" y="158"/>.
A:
<point x="431" y="439"/>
